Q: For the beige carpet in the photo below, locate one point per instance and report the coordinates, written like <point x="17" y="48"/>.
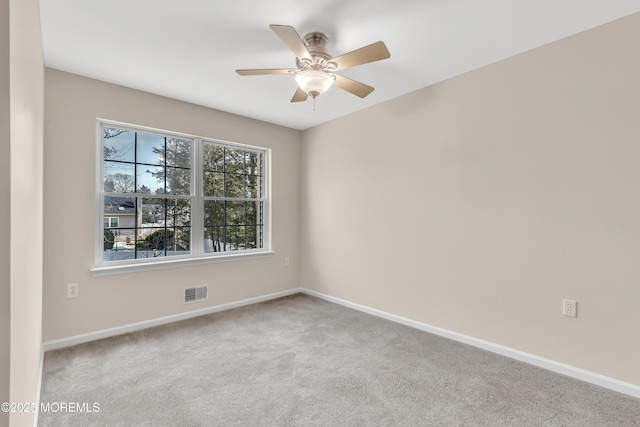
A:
<point x="300" y="361"/>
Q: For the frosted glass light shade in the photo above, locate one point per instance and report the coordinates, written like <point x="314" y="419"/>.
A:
<point x="314" y="82"/>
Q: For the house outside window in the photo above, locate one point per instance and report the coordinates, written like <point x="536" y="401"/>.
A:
<point x="165" y="196"/>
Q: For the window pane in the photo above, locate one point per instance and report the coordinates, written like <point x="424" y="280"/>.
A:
<point x="124" y="207"/>
<point x="107" y="223"/>
<point x="214" y="230"/>
<point x="235" y="213"/>
<point x="152" y="213"/>
<point x="254" y="213"/>
<point x="213" y="213"/>
<point x="181" y="244"/>
<point x="118" y="244"/>
<point x="178" y="152"/>
<point x="178" y="181"/>
<point x="145" y="249"/>
<point x="254" y="234"/>
<point x="150" y="179"/>
<point x="254" y="162"/>
<point x="234" y="160"/>
<point x="109" y="239"/>
<point x="254" y="184"/>
<point x="213" y="184"/>
<point x="118" y="144"/>
<point x="156" y="212"/>
<point x="232" y="225"/>
<point x="114" y="223"/>
<point x="153" y="243"/>
<point x="234" y="185"/>
<point x="118" y="177"/>
<point x="213" y="157"/>
<point x="178" y="213"/>
<point x="213" y="239"/>
<point x="150" y="149"/>
<point x="235" y="237"/>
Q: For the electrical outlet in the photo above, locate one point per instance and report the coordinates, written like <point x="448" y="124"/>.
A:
<point x="569" y="308"/>
<point x="73" y="290"/>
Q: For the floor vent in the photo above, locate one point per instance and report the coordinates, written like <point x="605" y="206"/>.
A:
<point x="198" y="293"/>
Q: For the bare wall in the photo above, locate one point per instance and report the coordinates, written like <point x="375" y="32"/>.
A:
<point x="5" y="210"/>
<point x="26" y="74"/>
<point x="478" y="204"/>
<point x="72" y="104"/>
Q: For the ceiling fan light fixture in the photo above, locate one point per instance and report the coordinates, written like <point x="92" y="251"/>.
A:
<point x="316" y="68"/>
<point x="314" y="82"/>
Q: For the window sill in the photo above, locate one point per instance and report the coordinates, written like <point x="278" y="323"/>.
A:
<point x="134" y="268"/>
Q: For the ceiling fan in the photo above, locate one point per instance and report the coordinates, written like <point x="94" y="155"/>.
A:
<point x="316" y="68"/>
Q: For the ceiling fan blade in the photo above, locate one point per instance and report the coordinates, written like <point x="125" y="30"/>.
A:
<point x="265" y="71"/>
<point x="291" y="38"/>
<point x="352" y="86"/>
<point x="299" y="96"/>
<point x="371" y="53"/>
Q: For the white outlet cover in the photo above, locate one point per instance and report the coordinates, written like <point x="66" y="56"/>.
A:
<point x="569" y="308"/>
<point x="73" y="290"/>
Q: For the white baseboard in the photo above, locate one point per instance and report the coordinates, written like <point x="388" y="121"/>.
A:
<point x="551" y="365"/>
<point x="119" y="330"/>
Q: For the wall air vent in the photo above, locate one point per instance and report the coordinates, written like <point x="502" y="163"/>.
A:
<point x="197" y="293"/>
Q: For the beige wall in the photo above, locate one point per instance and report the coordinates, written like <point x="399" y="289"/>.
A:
<point x="479" y="203"/>
<point x="25" y="234"/>
<point x="72" y="105"/>
<point x="5" y="209"/>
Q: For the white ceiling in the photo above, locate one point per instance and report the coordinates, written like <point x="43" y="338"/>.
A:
<point x="189" y="49"/>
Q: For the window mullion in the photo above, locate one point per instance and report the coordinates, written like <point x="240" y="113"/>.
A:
<point x="197" y="204"/>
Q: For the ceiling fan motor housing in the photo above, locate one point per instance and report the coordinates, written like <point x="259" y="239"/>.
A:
<point x="316" y="68"/>
<point x="316" y="45"/>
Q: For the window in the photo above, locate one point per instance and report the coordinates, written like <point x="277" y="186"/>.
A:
<point x="165" y="196"/>
<point x="110" y="222"/>
<point x="232" y="199"/>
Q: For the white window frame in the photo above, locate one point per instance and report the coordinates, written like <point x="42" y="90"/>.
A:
<point x="198" y="254"/>
<point x="110" y="218"/>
